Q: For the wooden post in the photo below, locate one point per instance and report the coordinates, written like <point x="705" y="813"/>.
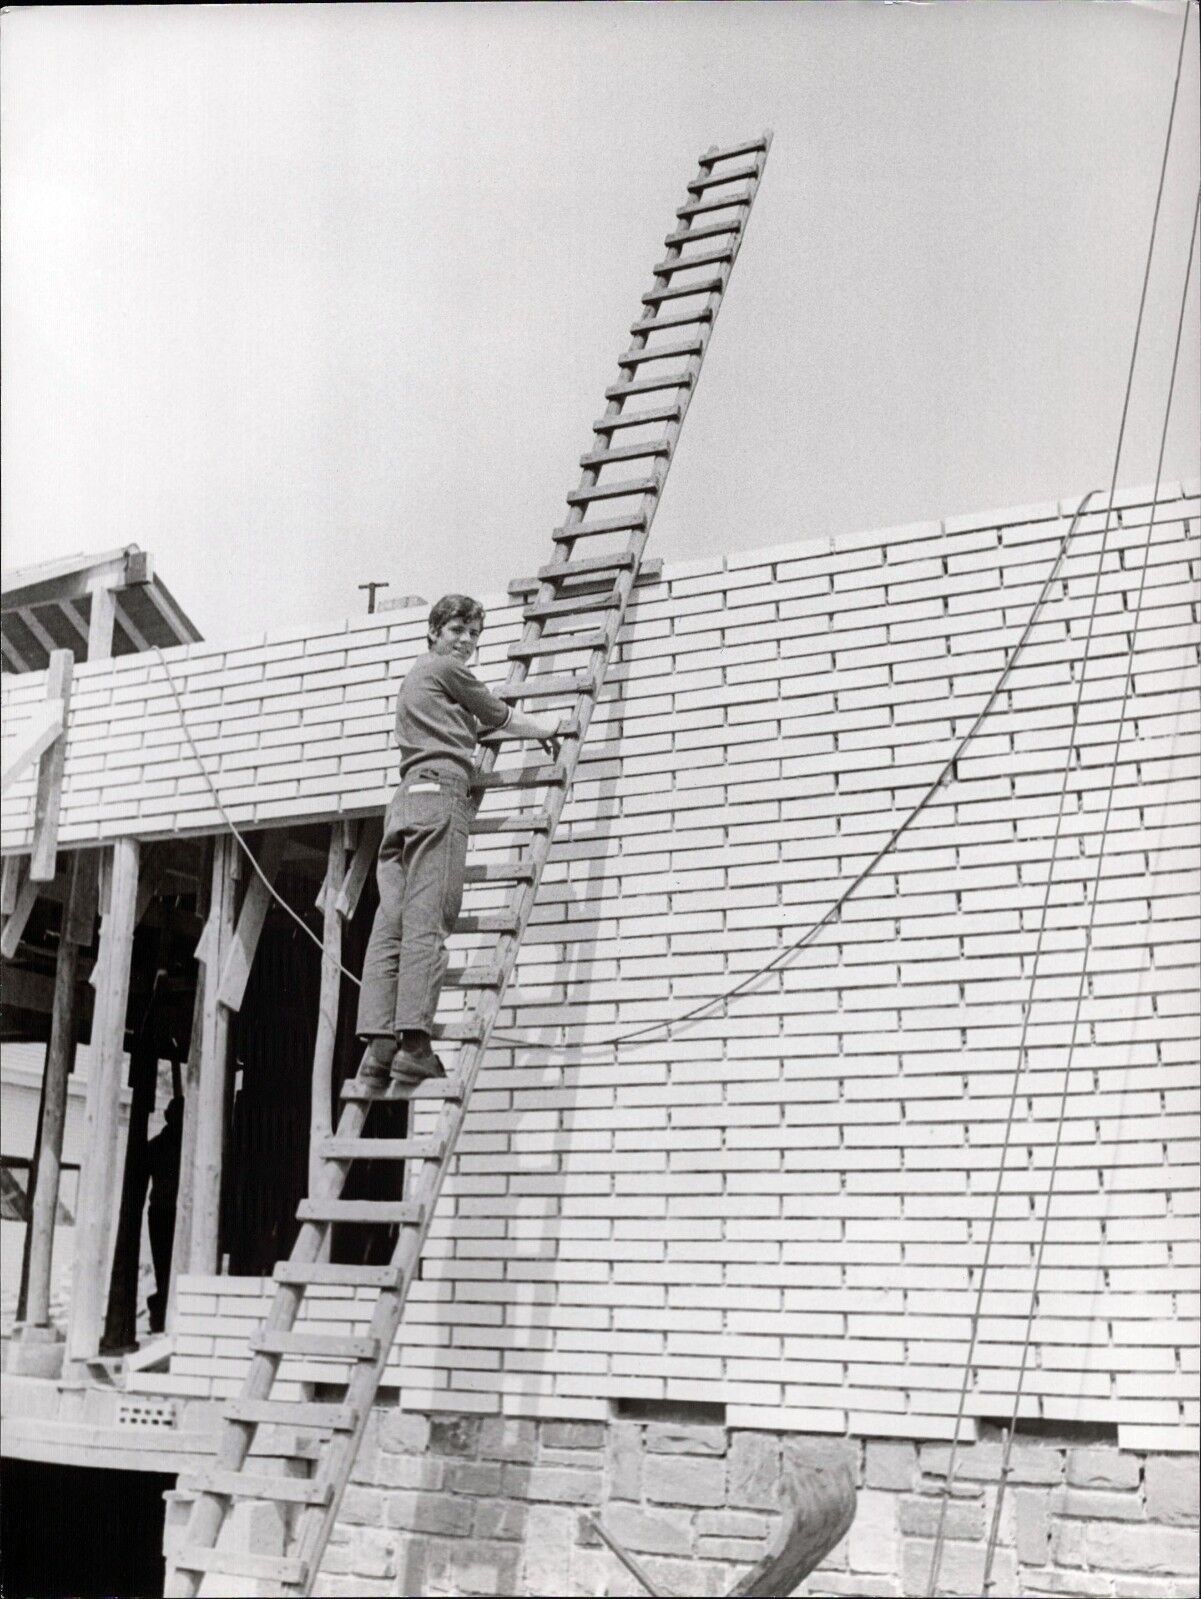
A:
<point x="100" y="623"/>
<point x="48" y="800"/>
<point x="181" y="1249"/>
<point x="94" y="1224"/>
<point x="321" y="1115"/>
<point x="78" y="914"/>
<point x="214" y="1066"/>
<point x="120" y="1325"/>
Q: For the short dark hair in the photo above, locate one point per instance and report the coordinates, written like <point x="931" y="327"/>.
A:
<point x="454" y="608"/>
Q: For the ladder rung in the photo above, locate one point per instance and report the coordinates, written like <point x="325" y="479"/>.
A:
<point x="527" y="587"/>
<point x="718" y="202"/>
<point x="292" y="1413"/>
<point x="326" y="1274"/>
<point x="599" y="599"/>
<point x="665" y="352"/>
<point x="666" y="269"/>
<point x="664" y="380"/>
<point x="716" y="178"/>
<point x="618" y="561"/>
<point x="337" y="1346"/>
<point x="613" y="491"/>
<point x="632" y="419"/>
<point x="434" y="1088"/>
<point x="240" y="1485"/>
<point x="544" y="776"/>
<point x="709" y="286"/>
<point x="487" y="922"/>
<point x="500" y="872"/>
<point x="625" y="452"/>
<point x="390" y="1212"/>
<point x="751" y="147"/>
<point x="467" y="1032"/>
<point x="381" y="1148"/>
<point x="473" y="977"/>
<point x="559" y="643"/>
<point x="548" y="685"/>
<point x="240" y="1563"/>
<point x="709" y="230"/>
<point x="511" y="822"/>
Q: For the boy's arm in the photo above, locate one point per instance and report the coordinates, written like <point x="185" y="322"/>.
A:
<point x="494" y="714"/>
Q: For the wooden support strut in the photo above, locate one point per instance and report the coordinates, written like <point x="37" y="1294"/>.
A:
<point x="49" y="796"/>
<point x="213" y="1071"/>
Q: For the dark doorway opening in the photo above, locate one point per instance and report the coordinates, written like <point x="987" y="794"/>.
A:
<point x="73" y="1530"/>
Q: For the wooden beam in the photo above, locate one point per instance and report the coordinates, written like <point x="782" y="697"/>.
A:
<point x="239" y="958"/>
<point x="100" y="624"/>
<point x="364" y="860"/>
<point x="60" y="1057"/>
<point x="45" y="639"/>
<point x="14" y="925"/>
<point x="93" y="1230"/>
<point x="182" y="1242"/>
<point x="26" y="745"/>
<point x="13" y="655"/>
<point x="214" y="1068"/>
<point x="10" y="882"/>
<point x="43" y="862"/>
<point x="72" y="614"/>
<point x="321" y="1114"/>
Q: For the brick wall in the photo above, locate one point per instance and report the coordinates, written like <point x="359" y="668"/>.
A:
<point x="782" y="1209"/>
<point x="498" y="1505"/>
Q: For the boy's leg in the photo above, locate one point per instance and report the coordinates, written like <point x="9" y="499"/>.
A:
<point x="435" y="859"/>
<point x="377" y="993"/>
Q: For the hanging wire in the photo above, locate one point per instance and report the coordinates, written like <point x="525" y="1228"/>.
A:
<point x="1127" y="686"/>
<point x="974" y="1330"/>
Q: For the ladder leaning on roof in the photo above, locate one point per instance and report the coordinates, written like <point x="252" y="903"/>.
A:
<point x="578" y="608"/>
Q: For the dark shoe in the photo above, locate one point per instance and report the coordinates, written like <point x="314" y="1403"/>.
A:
<point x="377" y="1058"/>
<point x="409" y="1067"/>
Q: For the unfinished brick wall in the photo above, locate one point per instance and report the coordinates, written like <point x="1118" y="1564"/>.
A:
<point x="496" y="1505"/>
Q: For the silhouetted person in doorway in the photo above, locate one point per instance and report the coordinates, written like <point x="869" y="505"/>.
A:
<point x="162" y="1159"/>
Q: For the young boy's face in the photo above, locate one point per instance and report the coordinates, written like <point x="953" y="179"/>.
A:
<point x="456" y="637"/>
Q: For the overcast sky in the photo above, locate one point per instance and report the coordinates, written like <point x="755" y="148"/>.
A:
<point x="297" y="297"/>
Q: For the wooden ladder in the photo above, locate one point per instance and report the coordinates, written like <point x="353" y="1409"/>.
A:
<point x="576" y="607"/>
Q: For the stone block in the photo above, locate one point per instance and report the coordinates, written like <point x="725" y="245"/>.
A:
<point x="684" y="1480"/>
<point x="410" y="1564"/>
<point x="731" y="1524"/>
<point x="826" y="1454"/>
<point x="499" y="1518"/>
<point x="1148" y="1549"/>
<point x="484" y="1568"/>
<point x="744" y="1551"/>
<point x="1051" y="1582"/>
<point x="843" y="1582"/>
<point x="592" y="1571"/>
<point x="363" y="1469"/>
<point x="410" y="1471"/>
<point x="504" y="1438"/>
<point x="918" y="1517"/>
<point x="455" y="1435"/>
<point x="1089" y="1504"/>
<point x="426" y="1512"/>
<point x="649" y="1532"/>
<point x="546" y="1560"/>
<point x="1102" y="1468"/>
<point x="362" y="1507"/>
<point x="625" y="1460"/>
<point x="872" y="1540"/>
<point x="1159" y="1588"/>
<point x="754" y="1464"/>
<point x="1032" y="1526"/>
<point x="404" y="1432"/>
<point x="558" y="1484"/>
<point x="1173" y="1489"/>
<point x="474" y="1476"/>
<point x="1067" y="1543"/>
<point x="890" y="1465"/>
<point x="373" y="1553"/>
<point x="349" y="1587"/>
<point x="961" y="1571"/>
<point x="573" y="1435"/>
<point x="664" y="1438"/>
<point x="699" y="1579"/>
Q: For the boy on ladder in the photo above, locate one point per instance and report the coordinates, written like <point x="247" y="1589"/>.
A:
<point x="441" y="710"/>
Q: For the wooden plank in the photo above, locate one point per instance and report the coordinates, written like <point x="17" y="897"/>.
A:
<point x="364" y="859"/>
<point x="335" y="1346"/>
<point x="382" y="1148"/>
<point x="79" y="920"/>
<point x="330" y="990"/>
<point x="389" y="1212"/>
<point x="100" y="622"/>
<point x="242" y="1485"/>
<point x="667" y="269"/>
<point x="715" y="179"/>
<point x="256" y="902"/>
<point x="95" y="1208"/>
<point x="434" y="1088"/>
<point x="211" y="1085"/>
<point x="559" y="644"/>
<point x="511" y="822"/>
<point x="680" y="292"/>
<point x="47" y="805"/>
<point x="462" y="1031"/>
<point x="238" y="1563"/>
<point x="32" y="737"/>
<point x="292" y="1413"/>
<point x="323" y="1272"/>
<point x="500" y="872"/>
<point x="625" y="452"/>
<point x="10" y="882"/>
<point x="751" y="147"/>
<point x="614" y="491"/>
<point x="587" y="566"/>
<point x="14" y="925"/>
<point x="671" y="352"/>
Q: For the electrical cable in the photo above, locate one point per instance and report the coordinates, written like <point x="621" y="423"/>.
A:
<point x="973" y="1336"/>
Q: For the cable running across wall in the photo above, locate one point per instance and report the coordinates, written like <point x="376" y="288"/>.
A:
<point x="781" y="957"/>
<point x="977" y="1311"/>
